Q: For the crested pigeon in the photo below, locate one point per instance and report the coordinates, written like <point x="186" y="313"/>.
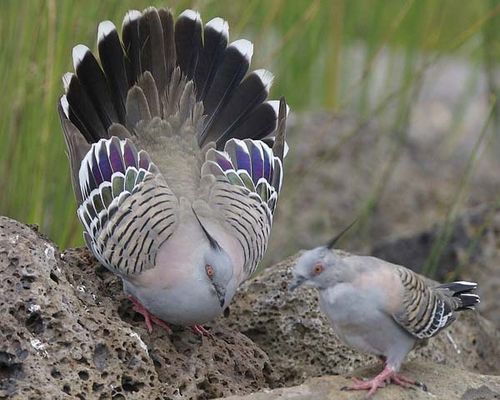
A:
<point x="176" y="160"/>
<point x="378" y="307"/>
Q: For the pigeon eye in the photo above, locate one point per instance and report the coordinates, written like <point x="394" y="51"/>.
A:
<point x="318" y="269"/>
<point x="210" y="271"/>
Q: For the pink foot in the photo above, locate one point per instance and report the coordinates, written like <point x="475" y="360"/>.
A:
<point x="388" y="375"/>
<point x="149" y="318"/>
<point x="200" y="330"/>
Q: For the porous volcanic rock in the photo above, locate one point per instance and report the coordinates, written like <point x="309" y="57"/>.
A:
<point x="68" y="332"/>
<point x="445" y="383"/>
<point x="301" y="344"/>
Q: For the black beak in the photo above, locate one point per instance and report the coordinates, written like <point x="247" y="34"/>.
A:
<point x="297" y="281"/>
<point x="221" y="295"/>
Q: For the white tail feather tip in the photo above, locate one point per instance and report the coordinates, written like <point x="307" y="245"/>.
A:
<point x="245" y="47"/>
<point x="66" y="79"/>
<point x="65" y="105"/>
<point x="79" y="52"/>
<point x="190" y="14"/>
<point x="104" y="29"/>
<point x="266" y="77"/>
<point x="466" y="283"/>
<point x="219" y="25"/>
<point x="130" y="16"/>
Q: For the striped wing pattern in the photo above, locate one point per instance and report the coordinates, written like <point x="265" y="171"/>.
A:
<point x="425" y="310"/>
<point x="248" y="182"/>
<point x="128" y="211"/>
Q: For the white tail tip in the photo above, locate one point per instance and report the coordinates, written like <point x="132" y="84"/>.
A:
<point x="79" y="52"/>
<point x="219" y="25"/>
<point x="245" y="47"/>
<point x="104" y="29"/>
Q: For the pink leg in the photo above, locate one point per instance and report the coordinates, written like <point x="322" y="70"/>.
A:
<point x="149" y="318"/>
<point x="388" y="375"/>
<point x="200" y="330"/>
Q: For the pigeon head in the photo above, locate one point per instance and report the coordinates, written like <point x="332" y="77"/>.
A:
<point x="217" y="269"/>
<point x="319" y="268"/>
<point x="218" y="272"/>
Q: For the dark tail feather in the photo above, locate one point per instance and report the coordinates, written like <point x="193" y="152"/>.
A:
<point x="167" y="23"/>
<point x="131" y="44"/>
<point x="114" y="65"/>
<point x="469" y="301"/>
<point x="257" y="124"/>
<point x="463" y="291"/>
<point x="188" y="41"/>
<point x="215" y="37"/>
<point x="152" y="47"/>
<point x="231" y="71"/>
<point x="81" y="110"/>
<point x="94" y="82"/>
<point x="76" y="145"/>
<point x="156" y="61"/>
<point x="252" y="91"/>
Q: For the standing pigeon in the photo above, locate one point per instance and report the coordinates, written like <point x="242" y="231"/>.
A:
<point x="176" y="161"/>
<point x="380" y="308"/>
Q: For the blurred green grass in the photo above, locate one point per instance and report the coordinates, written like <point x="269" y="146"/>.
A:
<point x="305" y="43"/>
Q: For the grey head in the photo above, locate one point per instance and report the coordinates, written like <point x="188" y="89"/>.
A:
<point x="217" y="269"/>
<point x="319" y="268"/>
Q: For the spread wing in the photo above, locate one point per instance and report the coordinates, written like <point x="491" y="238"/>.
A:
<point x="126" y="208"/>
<point x="248" y="177"/>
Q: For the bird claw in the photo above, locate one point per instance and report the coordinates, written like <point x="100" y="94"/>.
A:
<point x="201" y="330"/>
<point x="149" y="318"/>
<point x="387" y="376"/>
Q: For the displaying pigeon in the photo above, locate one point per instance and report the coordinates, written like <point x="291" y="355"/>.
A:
<point x="380" y="308"/>
<point x="176" y="161"/>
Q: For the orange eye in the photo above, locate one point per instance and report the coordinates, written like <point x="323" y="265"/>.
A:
<point x="210" y="271"/>
<point x="318" y="269"/>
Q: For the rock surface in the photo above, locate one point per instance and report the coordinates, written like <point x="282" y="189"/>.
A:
<point x="301" y="344"/>
<point x="67" y="332"/>
<point x="449" y="384"/>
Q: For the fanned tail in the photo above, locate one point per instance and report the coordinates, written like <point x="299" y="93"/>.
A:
<point x="462" y="290"/>
<point x="147" y="73"/>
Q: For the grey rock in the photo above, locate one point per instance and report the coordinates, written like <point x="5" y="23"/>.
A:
<point x="443" y="383"/>
<point x="68" y="332"/>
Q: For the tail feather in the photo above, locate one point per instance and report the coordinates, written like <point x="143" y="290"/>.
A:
<point x="152" y="47"/>
<point x="251" y="92"/>
<point x="81" y="110"/>
<point x="92" y="77"/>
<point x="174" y="71"/>
<point x="231" y="71"/>
<point x="215" y="37"/>
<point x="257" y="124"/>
<point x="131" y="44"/>
<point x="188" y="41"/>
<point x="468" y="300"/>
<point x="462" y="290"/>
<point x="167" y="23"/>
<point x="114" y="65"/>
